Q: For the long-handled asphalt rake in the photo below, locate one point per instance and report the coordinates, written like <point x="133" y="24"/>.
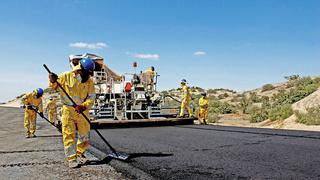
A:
<point x="116" y="155"/>
<point x="36" y="110"/>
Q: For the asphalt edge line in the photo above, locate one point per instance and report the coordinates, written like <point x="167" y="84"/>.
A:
<point x="124" y="168"/>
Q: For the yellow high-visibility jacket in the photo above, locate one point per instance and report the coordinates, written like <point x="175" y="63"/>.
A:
<point x="151" y="73"/>
<point x="81" y="93"/>
<point x="31" y="99"/>
<point x="203" y="103"/>
<point x="186" y="95"/>
<point x="51" y="105"/>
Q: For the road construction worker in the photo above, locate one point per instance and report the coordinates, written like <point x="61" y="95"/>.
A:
<point x="52" y="110"/>
<point x="148" y="78"/>
<point x="74" y="60"/>
<point x="150" y="71"/>
<point x="32" y="103"/>
<point x="79" y="85"/>
<point x="203" y="110"/>
<point x="186" y="98"/>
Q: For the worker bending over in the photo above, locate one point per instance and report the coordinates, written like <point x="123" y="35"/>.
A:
<point x="32" y="103"/>
<point x="52" y="110"/>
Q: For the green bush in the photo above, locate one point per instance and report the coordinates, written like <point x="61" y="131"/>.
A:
<point x="254" y="98"/>
<point x="267" y="87"/>
<point x="316" y="80"/>
<point x="302" y="82"/>
<point x="265" y="101"/>
<point x="218" y="107"/>
<point x="294" y="95"/>
<point x="292" y="77"/>
<point x="257" y="114"/>
<point x="211" y="91"/>
<point x="312" y="117"/>
<point x="213" y="118"/>
<point x="244" y="104"/>
<point x="280" y="112"/>
<point x="215" y="91"/>
<point x="223" y="96"/>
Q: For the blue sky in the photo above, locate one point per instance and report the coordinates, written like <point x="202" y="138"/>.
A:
<point x="237" y="44"/>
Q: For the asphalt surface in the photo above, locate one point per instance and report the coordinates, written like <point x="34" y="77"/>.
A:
<point x="168" y="152"/>
<point x="41" y="157"/>
<point x="213" y="152"/>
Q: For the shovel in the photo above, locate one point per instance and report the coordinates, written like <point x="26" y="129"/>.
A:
<point x="115" y="155"/>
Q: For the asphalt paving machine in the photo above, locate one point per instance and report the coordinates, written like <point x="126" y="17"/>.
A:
<point x="128" y="96"/>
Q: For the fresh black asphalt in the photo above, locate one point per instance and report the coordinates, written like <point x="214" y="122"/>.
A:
<point x="215" y="152"/>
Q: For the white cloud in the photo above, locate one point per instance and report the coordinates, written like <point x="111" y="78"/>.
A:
<point x="199" y="53"/>
<point x="147" y="56"/>
<point x="98" y="45"/>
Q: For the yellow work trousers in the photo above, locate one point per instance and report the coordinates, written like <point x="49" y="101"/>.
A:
<point x="75" y="143"/>
<point x="30" y="117"/>
<point x="185" y="104"/>
<point x="51" y="115"/>
<point x="203" y="115"/>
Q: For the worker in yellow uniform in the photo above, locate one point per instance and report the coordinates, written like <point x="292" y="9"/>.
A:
<point x="52" y="110"/>
<point x="79" y="85"/>
<point x="32" y="103"/>
<point x="186" y="98"/>
<point x="203" y="110"/>
<point x="150" y="73"/>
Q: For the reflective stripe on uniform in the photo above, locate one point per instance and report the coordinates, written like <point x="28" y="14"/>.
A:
<point x="71" y="150"/>
<point x="84" y="138"/>
<point x="65" y="100"/>
<point x="68" y="103"/>
<point x="92" y="96"/>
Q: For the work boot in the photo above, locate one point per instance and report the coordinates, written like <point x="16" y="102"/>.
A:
<point x="82" y="159"/>
<point x="73" y="164"/>
<point x="33" y="136"/>
<point x="27" y="136"/>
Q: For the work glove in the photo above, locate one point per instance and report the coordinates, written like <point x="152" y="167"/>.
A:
<point x="41" y="115"/>
<point x="53" y="77"/>
<point x="80" y="108"/>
